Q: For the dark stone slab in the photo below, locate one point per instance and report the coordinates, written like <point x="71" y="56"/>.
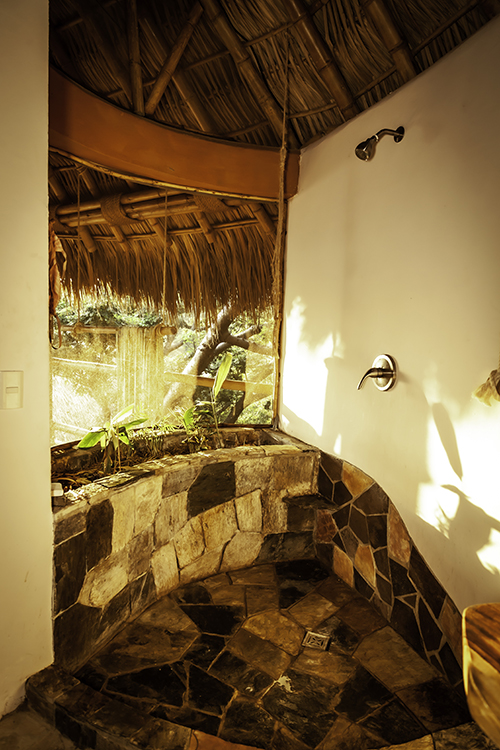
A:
<point x="431" y="633"/>
<point x="373" y="501"/>
<point x="382" y="561"/>
<point x="450" y="664"/>
<point x="401" y="584"/>
<point x="384" y="589"/>
<point x="404" y="622"/>
<point x="81" y="702"/>
<point x="300" y="519"/>
<point x="350" y="542"/>
<point x="214" y="485"/>
<point x="248" y="724"/>
<point x="361" y="695"/>
<point x="157" y="683"/>
<point x="142" y="593"/>
<point x="75" y="633"/>
<point x="213" y="618"/>
<point x="302" y="703"/>
<point x="341" y="517"/>
<point x="362" y="586"/>
<point x="326" y="528"/>
<point x="331" y="465"/>
<point x="70" y="569"/>
<point x="207" y="693"/>
<point x="301" y="570"/>
<point x="324" y="553"/>
<point x="431" y="590"/>
<point x="188" y="717"/>
<point x="117" y="611"/>
<point x="325" y="485"/>
<point x="204" y="650"/>
<point x="231" y="669"/>
<point x="118" y="719"/>
<point x="141" y="550"/>
<point x="91" y="677"/>
<point x="358" y="524"/>
<point x="394" y="724"/>
<point x="337" y="541"/>
<point x="194" y="593"/>
<point x="43" y="689"/>
<point x="284" y="740"/>
<point x="157" y="733"/>
<point x="361" y="616"/>
<point x="341" y="635"/>
<point x="466" y="736"/>
<point x="377" y="530"/>
<point x="99" y="532"/>
<point x="336" y="591"/>
<point x="82" y="735"/>
<point x="69" y="526"/>
<point x="287" y="546"/>
<point x="435" y="704"/>
<point x="341" y="494"/>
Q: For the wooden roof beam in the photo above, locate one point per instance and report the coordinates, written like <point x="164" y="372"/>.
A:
<point x="61" y="195"/>
<point x="172" y="60"/>
<point x="321" y="57"/>
<point x="135" y="57"/>
<point x="381" y="19"/>
<point x="247" y="69"/>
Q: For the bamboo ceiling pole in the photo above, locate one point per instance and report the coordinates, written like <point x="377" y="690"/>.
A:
<point x="172" y="60"/>
<point x="62" y="195"/>
<point x="264" y="220"/>
<point x="246" y="67"/>
<point x="321" y="57"/>
<point x="382" y="20"/>
<point x="135" y="57"/>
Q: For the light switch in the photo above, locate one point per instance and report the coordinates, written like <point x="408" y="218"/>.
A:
<point x="11" y="389"/>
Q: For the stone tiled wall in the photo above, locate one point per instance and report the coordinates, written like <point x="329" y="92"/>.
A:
<point x="179" y="519"/>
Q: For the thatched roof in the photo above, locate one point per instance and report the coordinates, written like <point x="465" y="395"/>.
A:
<point x="225" y="69"/>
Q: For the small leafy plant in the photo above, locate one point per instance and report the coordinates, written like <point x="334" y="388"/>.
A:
<point x="199" y="419"/>
<point x="111" y="435"/>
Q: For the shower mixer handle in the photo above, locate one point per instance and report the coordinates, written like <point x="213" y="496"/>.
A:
<point x="384" y="371"/>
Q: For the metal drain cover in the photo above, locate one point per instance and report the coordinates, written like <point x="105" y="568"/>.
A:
<point x="316" y="640"/>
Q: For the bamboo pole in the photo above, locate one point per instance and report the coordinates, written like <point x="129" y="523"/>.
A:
<point x="62" y="195"/>
<point x="135" y="57"/>
<point x="170" y="64"/>
<point x="264" y="220"/>
<point x="382" y="20"/>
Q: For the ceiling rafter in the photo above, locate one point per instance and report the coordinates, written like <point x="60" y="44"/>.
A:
<point x="379" y="15"/>
<point x="62" y="195"/>
<point x="247" y="69"/>
<point x="135" y="57"/>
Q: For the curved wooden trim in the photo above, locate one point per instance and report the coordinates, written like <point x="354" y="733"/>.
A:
<point x="97" y="132"/>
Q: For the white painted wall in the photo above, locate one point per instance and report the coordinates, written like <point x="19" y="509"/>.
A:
<point x="401" y="255"/>
<point x="25" y="515"/>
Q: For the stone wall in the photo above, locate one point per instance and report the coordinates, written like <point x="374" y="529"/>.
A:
<point x="134" y="537"/>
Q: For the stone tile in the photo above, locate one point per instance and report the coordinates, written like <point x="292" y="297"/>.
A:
<point x="361" y="694"/>
<point x="166" y="615"/>
<point x="277" y="629"/>
<point x="249" y="511"/>
<point x="214" y="619"/>
<point x="75" y="633"/>
<point x="377" y="530"/>
<point x="468" y="736"/>
<point x="289" y="546"/>
<point x="274" y="514"/>
<point x="123" y="503"/>
<point x="426" y="583"/>
<point x="242" y="550"/>
<point x="450" y="664"/>
<point x="326" y="528"/>
<point x="82" y="735"/>
<point x="362" y="586"/>
<point x="435" y="704"/>
<point x="157" y="734"/>
<point x="261" y="598"/>
<point x="117" y="719"/>
<point x="324" y="553"/>
<point x="284" y="740"/>
<point x="332" y="666"/>
<point x="247" y="722"/>
<point x="423" y="743"/>
<point x="341" y="635"/>
<point x="236" y="672"/>
<point x="214" y="485"/>
<point x="430" y="631"/>
<point x="189" y="542"/>
<point x="148" y="493"/>
<point x="325" y="485"/>
<point x="341" y="494"/>
<point x="355" y="480"/>
<point x="140" y="550"/>
<point x="361" y="616"/>
<point x="259" y="575"/>
<point x="171" y="517"/>
<point x="192" y="593"/>
<point x="381" y="558"/>
<point x="302" y="703"/>
<point x="332" y="466"/>
<point x="202" y="741"/>
<point x="341" y="516"/>
<point x="293" y="473"/>
<point x="398" y="542"/>
<point x="45" y="686"/>
<point x="205" y="650"/>
<point x="219" y="525"/>
<point x="105" y="580"/>
<point x="300" y="518"/>
<point x="384" y="589"/>
<point x="179" y="477"/>
<point x="394" y="724"/>
<point x="161" y="684"/>
<point x="373" y="501"/>
<point x="99" y="532"/>
<point x="116" y="612"/>
<point x="187" y="717"/>
<point x="358" y="525"/>
<point x="311" y="610"/>
<point x="343" y="566"/>
<point x="207" y="693"/>
<point x="450" y="621"/>
<point x="344" y="735"/>
<point x="164" y="567"/>
<point x="387" y="656"/>
<point x="349" y="541"/>
<point x="365" y="564"/>
<point x="205" y="566"/>
<point x="404" y="622"/>
<point x="214" y="582"/>
<point x="261" y="654"/>
<point x="231" y="595"/>
<point x="68" y="522"/>
<point x="310" y="572"/>
<point x="69" y="571"/>
<point x="401" y="584"/>
<point x="338" y="592"/>
<point x="252" y="474"/>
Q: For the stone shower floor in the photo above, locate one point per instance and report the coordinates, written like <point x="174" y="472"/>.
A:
<point x="225" y="657"/>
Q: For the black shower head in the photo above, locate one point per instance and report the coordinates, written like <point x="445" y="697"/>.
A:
<point x="366" y="149"/>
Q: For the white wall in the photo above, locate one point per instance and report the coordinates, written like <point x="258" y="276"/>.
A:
<point x="25" y="516"/>
<point x="401" y="255"/>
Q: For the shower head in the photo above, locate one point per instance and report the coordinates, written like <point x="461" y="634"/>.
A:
<point x="366" y="149"/>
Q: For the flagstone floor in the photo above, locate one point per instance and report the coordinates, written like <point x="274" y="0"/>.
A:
<point x="224" y="661"/>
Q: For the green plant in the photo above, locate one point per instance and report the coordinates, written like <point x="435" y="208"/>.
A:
<point x="199" y="419"/>
<point x="111" y="435"/>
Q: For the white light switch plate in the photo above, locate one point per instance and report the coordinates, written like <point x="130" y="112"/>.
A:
<point x="11" y="389"/>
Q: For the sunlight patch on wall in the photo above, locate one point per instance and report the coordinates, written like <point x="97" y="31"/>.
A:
<point x="489" y="554"/>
